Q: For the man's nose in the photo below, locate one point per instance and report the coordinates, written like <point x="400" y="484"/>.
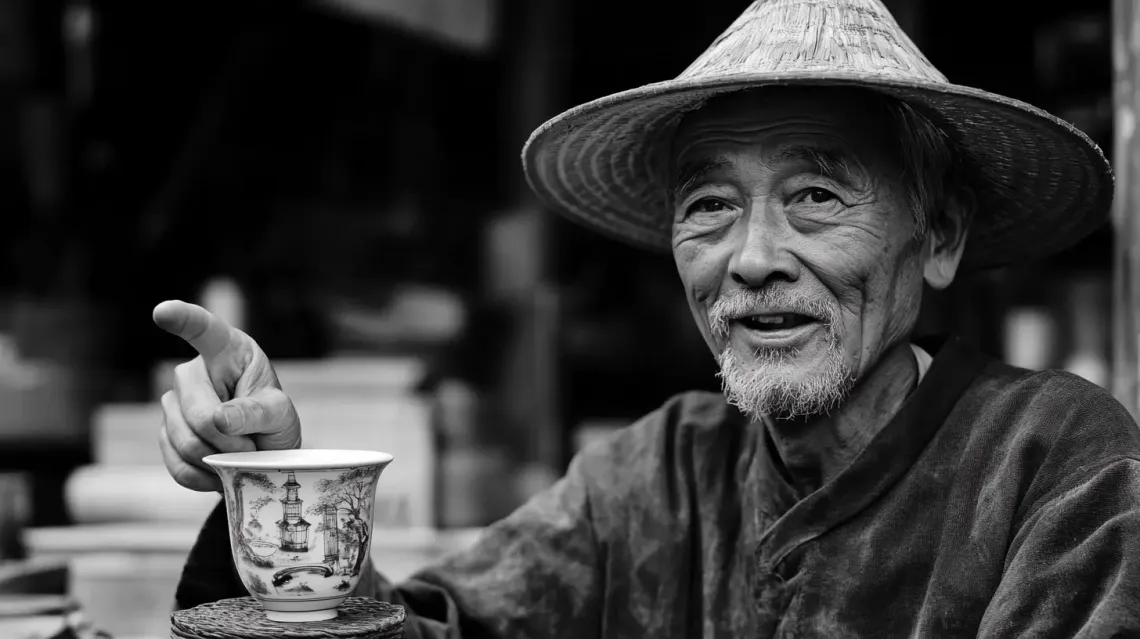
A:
<point x="764" y="254"/>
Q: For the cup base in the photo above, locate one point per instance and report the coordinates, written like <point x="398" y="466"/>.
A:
<point x="300" y="616"/>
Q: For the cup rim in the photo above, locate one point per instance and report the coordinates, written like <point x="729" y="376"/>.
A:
<point x="299" y="459"/>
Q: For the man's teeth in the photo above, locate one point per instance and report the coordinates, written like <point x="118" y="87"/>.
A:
<point x="774" y="322"/>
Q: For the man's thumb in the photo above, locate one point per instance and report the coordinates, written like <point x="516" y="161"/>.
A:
<point x="267" y="416"/>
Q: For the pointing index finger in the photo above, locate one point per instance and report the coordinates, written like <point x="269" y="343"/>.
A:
<point x="208" y="334"/>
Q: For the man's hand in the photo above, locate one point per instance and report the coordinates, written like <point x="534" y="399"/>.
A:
<point x="225" y="400"/>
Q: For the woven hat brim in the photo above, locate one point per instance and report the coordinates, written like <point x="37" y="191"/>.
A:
<point x="1043" y="184"/>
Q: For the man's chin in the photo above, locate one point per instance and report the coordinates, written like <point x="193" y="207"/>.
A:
<point x="785" y="362"/>
<point x="784" y="384"/>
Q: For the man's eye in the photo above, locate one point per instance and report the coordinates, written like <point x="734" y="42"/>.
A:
<point x="707" y="205"/>
<point x="816" y="195"/>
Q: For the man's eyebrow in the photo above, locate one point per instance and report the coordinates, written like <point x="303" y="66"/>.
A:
<point x="689" y="173"/>
<point x="830" y="163"/>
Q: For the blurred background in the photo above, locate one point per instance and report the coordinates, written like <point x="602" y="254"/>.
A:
<point x="341" y="179"/>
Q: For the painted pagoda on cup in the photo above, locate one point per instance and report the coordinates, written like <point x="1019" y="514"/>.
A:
<point x="292" y="528"/>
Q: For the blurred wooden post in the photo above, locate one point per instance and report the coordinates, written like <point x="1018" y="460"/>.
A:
<point x="1126" y="161"/>
<point x="538" y="82"/>
<point x="520" y="245"/>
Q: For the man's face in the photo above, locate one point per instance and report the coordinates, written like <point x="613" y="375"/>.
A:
<point x="795" y="241"/>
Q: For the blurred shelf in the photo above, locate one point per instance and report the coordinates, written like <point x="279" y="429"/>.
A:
<point x="28" y="605"/>
<point x="38" y="576"/>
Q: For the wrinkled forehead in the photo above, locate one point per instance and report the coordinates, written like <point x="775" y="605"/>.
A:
<point x="845" y="122"/>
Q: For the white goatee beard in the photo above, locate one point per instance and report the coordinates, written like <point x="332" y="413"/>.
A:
<point x="770" y="384"/>
<point x="759" y="388"/>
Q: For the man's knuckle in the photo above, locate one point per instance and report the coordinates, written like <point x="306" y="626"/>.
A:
<point x="253" y="413"/>
<point x="196" y="413"/>
<point x="243" y="343"/>
<point x="182" y="371"/>
<point x="273" y="399"/>
<point x="183" y="449"/>
<point x="185" y="477"/>
<point x="187" y="374"/>
<point x="263" y="375"/>
<point x="199" y="420"/>
<point x="187" y="447"/>
<point x="291" y="411"/>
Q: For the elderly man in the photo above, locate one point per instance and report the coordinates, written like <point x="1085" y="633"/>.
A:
<point x="810" y="172"/>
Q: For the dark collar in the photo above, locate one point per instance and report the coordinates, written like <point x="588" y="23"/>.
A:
<point x="888" y="456"/>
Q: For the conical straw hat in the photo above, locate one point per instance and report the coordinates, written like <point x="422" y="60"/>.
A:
<point x="1043" y="184"/>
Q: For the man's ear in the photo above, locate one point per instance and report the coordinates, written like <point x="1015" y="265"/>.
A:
<point x="946" y="240"/>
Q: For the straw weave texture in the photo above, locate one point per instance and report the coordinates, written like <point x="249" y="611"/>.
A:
<point x="1043" y="184"/>
<point x="244" y="618"/>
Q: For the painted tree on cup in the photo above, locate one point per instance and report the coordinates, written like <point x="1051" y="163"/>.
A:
<point x="351" y="547"/>
<point x="350" y="492"/>
<point x="240" y="479"/>
<point x="255" y="528"/>
<point x="346" y="541"/>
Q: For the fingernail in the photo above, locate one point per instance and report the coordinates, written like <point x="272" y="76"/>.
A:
<point x="224" y="419"/>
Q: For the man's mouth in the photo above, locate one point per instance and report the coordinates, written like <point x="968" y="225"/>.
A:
<point x="774" y="321"/>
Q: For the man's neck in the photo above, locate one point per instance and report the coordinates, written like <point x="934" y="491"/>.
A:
<point x="816" y="449"/>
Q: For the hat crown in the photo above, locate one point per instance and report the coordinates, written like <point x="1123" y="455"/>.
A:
<point x="848" y="37"/>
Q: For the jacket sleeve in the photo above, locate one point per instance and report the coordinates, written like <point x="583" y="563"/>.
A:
<point x="533" y="574"/>
<point x="1073" y="568"/>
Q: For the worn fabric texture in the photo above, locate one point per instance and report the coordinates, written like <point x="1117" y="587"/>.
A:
<point x="998" y="502"/>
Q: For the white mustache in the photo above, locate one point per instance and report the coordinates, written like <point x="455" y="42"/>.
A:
<point x="746" y="302"/>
